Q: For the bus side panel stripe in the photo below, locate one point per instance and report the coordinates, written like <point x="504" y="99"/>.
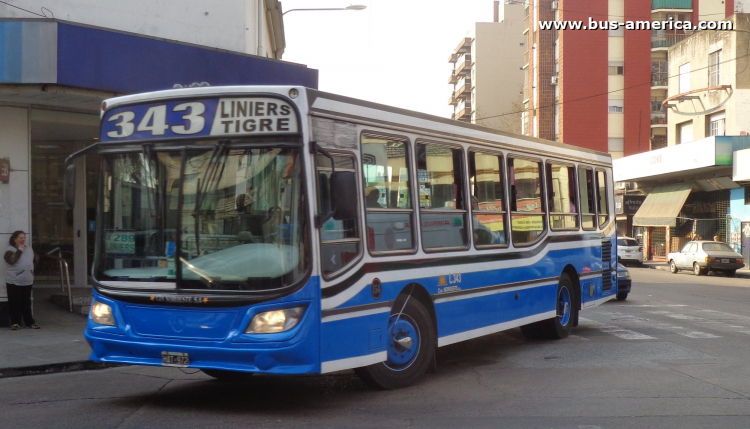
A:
<point x="353" y="362"/>
<point x="463" y="336"/>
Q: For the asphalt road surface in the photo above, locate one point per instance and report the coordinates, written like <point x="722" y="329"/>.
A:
<point x="676" y="354"/>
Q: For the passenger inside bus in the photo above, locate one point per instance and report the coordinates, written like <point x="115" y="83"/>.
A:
<point x="372" y="195"/>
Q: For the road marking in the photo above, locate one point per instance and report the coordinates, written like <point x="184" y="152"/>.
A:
<point x="618" y="332"/>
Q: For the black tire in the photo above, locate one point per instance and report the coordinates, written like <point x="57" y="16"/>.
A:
<point x="622" y="296"/>
<point x="673" y="267"/>
<point x="730" y="273"/>
<point x="559" y="327"/>
<point x="404" y="364"/>
<point x="224" y="375"/>
<point x="697" y="269"/>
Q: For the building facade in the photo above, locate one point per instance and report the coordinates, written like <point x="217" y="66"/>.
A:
<point x="603" y="89"/>
<point x="54" y="75"/>
<point x="486" y="80"/>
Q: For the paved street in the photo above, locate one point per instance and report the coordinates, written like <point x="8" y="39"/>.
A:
<point x="674" y="355"/>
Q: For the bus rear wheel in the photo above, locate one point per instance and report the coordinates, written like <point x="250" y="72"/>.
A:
<point x="410" y="345"/>
<point x="558" y="327"/>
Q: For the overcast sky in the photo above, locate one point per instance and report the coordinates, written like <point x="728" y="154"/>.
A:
<point x="394" y="52"/>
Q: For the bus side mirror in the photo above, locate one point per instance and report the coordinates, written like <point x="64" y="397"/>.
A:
<point x="344" y="190"/>
<point x="69" y="190"/>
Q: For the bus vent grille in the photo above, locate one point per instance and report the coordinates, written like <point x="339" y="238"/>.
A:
<point x="606" y="257"/>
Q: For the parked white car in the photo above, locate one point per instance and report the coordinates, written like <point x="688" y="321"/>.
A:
<point x="704" y="256"/>
<point x="629" y="250"/>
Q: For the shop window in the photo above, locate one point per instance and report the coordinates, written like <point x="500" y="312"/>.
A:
<point x="340" y="240"/>
<point x="561" y="196"/>
<point x="586" y="192"/>
<point x="527" y="211"/>
<point x="441" y="196"/>
<point x="602" y="197"/>
<point x="387" y="194"/>
<point x="487" y="199"/>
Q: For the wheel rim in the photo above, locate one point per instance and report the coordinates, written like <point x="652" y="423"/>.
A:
<point x="563" y="306"/>
<point x="696" y="268"/>
<point x="401" y="356"/>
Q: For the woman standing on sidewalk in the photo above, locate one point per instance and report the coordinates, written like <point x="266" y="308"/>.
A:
<point x="19" y="277"/>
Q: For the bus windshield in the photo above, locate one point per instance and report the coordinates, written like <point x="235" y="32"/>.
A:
<point x="240" y="213"/>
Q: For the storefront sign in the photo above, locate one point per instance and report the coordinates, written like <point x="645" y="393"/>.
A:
<point x="4" y="170"/>
<point x="631" y="204"/>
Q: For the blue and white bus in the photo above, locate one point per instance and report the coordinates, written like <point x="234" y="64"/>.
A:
<point x="284" y="230"/>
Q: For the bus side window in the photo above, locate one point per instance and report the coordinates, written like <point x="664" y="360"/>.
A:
<point x="602" y="197"/>
<point x="387" y="194"/>
<point x="340" y="241"/>
<point x="527" y="209"/>
<point x="487" y="199"/>
<point x="441" y="196"/>
<point x="561" y="196"/>
<point x="586" y="192"/>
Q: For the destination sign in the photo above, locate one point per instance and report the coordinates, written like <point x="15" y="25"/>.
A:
<point x="220" y="117"/>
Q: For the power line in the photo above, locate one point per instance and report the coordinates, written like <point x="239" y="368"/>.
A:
<point x="25" y="10"/>
<point x="557" y="103"/>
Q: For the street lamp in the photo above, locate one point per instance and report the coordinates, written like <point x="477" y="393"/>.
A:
<point x="350" y="7"/>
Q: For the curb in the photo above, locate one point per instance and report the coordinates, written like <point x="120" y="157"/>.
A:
<point x="54" y="368"/>
<point x="744" y="274"/>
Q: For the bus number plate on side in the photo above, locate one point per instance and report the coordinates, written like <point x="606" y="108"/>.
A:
<point x="175" y="359"/>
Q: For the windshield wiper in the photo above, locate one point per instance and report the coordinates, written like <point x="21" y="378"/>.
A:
<point x="212" y="175"/>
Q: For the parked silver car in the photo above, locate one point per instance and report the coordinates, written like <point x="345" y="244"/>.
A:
<point x="705" y="256"/>
<point x="629" y="250"/>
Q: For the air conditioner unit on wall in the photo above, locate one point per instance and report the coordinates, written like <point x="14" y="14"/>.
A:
<point x="553" y="80"/>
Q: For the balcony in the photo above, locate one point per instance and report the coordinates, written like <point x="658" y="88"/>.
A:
<point x="658" y="120"/>
<point x="463" y="68"/>
<point x="463" y="109"/>
<point x="667" y="40"/>
<point x="452" y="100"/>
<point x="525" y="59"/>
<point x="452" y="58"/>
<point x="659" y="80"/>
<point x="671" y="4"/>
<point x="453" y="78"/>
<point x="464" y="46"/>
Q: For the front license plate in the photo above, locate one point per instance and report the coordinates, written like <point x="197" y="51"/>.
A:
<point x="175" y="359"/>
<point x="725" y="261"/>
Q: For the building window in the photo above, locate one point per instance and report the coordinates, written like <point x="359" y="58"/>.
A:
<point x="716" y="124"/>
<point x="747" y="195"/>
<point x="616" y="106"/>
<point x="714" y="69"/>
<point x="684" y="132"/>
<point x="615" y="70"/>
<point x="684" y="78"/>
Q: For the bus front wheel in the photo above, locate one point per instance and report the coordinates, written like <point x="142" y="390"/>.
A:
<point x="410" y="347"/>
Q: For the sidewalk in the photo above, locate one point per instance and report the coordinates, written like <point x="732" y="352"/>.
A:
<point x="662" y="265"/>
<point x="58" y="346"/>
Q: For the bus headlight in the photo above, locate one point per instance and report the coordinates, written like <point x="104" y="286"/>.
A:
<point x="101" y="314"/>
<point x="270" y="322"/>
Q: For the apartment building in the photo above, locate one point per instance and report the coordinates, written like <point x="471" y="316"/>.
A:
<point x="603" y="89"/>
<point x="486" y="79"/>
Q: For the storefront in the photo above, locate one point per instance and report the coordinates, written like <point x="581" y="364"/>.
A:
<point x="687" y="188"/>
<point x="53" y="78"/>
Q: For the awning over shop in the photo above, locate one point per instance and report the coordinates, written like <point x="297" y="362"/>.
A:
<point x="662" y="206"/>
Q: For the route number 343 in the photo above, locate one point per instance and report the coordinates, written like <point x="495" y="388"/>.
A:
<point x="155" y="121"/>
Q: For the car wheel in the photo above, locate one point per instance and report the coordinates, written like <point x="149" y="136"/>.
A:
<point x="622" y="296"/>
<point x="672" y="267"/>
<point x="224" y="375"/>
<point x="730" y="273"/>
<point x="697" y="269"/>
<point x="410" y="345"/>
